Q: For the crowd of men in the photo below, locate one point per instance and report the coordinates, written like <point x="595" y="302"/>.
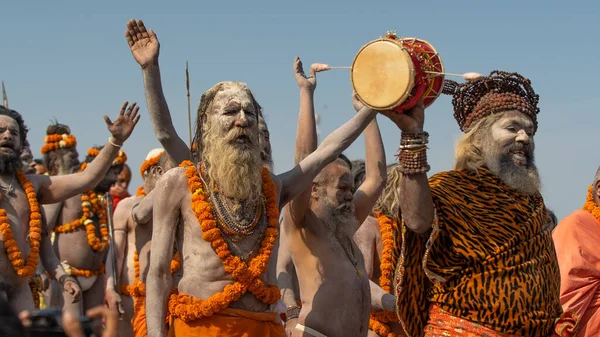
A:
<point x="216" y="244"/>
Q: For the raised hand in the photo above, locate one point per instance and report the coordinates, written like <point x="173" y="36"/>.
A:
<point x="309" y="82"/>
<point x="123" y="126"/>
<point x="356" y="103"/>
<point x="409" y="121"/>
<point x="143" y="43"/>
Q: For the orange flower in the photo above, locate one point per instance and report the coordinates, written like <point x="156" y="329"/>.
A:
<point x="87" y="273"/>
<point x="138" y="289"/>
<point x="22" y="268"/>
<point x="147" y="164"/>
<point x="140" y="192"/>
<point x="247" y="277"/>
<point x="590" y="205"/>
<point x="56" y="141"/>
<point x="93" y="152"/>
<point x="90" y="204"/>
<point x="389" y="258"/>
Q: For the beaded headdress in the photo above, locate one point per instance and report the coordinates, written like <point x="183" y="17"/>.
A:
<point x="500" y="91"/>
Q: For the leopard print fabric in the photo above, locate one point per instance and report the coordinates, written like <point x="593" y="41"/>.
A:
<point x="487" y="259"/>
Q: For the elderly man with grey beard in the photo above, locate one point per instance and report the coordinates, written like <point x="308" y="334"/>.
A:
<point x="478" y="253"/>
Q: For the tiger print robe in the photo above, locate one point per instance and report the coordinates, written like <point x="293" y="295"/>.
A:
<point x="486" y="260"/>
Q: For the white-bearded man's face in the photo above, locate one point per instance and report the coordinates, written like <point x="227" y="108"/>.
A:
<point x="509" y="152"/>
<point x="231" y="146"/>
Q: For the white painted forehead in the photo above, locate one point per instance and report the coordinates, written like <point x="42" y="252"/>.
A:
<point x="517" y="116"/>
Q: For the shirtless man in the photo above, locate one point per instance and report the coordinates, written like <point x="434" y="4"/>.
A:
<point x="229" y="159"/>
<point x="81" y="236"/>
<point x="22" y="232"/>
<point x="133" y="232"/>
<point x="382" y="250"/>
<point x="319" y="226"/>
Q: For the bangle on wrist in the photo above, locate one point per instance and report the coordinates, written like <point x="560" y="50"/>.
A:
<point x="292" y="312"/>
<point x="112" y="142"/>
<point x="413" y="153"/>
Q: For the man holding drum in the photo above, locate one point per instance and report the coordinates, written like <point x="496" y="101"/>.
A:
<point x="477" y="253"/>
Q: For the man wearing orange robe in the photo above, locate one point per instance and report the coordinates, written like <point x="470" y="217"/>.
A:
<point x="576" y="241"/>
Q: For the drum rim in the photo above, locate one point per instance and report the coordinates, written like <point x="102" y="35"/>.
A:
<point x="432" y="100"/>
<point x="411" y="79"/>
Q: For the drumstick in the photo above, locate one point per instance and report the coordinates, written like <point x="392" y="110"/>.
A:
<point x="465" y="76"/>
<point x="340" y="67"/>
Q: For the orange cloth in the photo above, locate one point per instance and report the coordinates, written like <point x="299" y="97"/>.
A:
<point x="231" y="323"/>
<point x="441" y="323"/>
<point x="576" y="241"/>
<point x="138" y="322"/>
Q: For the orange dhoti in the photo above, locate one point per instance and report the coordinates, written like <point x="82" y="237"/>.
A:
<point x="231" y="323"/>
<point x="138" y="322"/>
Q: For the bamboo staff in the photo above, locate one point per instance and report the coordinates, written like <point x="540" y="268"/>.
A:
<point x="187" y="86"/>
<point x="4" y="98"/>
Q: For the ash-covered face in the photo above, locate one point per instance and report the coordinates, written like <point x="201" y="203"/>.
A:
<point x="509" y="152"/>
<point x="265" y="143"/>
<point x="231" y="144"/>
<point x="10" y="145"/>
<point x="335" y="197"/>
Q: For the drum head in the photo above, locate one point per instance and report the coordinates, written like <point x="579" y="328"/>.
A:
<point x="382" y="74"/>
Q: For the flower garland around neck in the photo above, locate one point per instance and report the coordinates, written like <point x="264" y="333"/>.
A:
<point x="389" y="229"/>
<point x="90" y="206"/>
<point x="590" y="205"/>
<point x="140" y="192"/>
<point x="246" y="275"/>
<point x="22" y="268"/>
<point x="56" y="141"/>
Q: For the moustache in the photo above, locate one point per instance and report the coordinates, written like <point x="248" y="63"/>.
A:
<point x="347" y="206"/>
<point x="239" y="133"/>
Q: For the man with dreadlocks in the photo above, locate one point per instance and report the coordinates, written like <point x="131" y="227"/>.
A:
<point x="576" y="239"/>
<point x="133" y="231"/>
<point x="477" y="253"/>
<point x="228" y="272"/>
<point x="23" y="235"/>
<point x="80" y="223"/>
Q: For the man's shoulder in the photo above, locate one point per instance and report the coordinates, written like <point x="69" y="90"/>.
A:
<point x="578" y="219"/>
<point x="176" y="175"/>
<point x="129" y="201"/>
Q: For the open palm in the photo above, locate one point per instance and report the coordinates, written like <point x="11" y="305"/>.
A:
<point x="125" y="122"/>
<point x="143" y="43"/>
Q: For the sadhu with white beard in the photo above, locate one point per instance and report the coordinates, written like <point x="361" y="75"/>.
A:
<point x="477" y="252"/>
<point x="223" y="211"/>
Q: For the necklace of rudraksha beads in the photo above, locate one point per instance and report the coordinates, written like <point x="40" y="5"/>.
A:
<point x="231" y="226"/>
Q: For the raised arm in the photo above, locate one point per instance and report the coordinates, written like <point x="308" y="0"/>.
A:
<point x="300" y="177"/>
<point x="145" y="49"/>
<point x="416" y="202"/>
<point x="306" y="133"/>
<point x="170" y="191"/>
<point x="367" y="193"/>
<point x="142" y="211"/>
<point x="52" y="189"/>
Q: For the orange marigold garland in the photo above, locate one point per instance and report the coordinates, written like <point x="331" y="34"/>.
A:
<point x="389" y="258"/>
<point x="590" y="205"/>
<point x="147" y="164"/>
<point x="56" y="141"/>
<point x="90" y="206"/>
<point x="22" y="268"/>
<point x="87" y="273"/>
<point x="246" y="276"/>
<point x="93" y="152"/>
<point x="140" y="192"/>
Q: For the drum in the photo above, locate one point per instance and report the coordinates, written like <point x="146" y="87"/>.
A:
<point x="391" y="73"/>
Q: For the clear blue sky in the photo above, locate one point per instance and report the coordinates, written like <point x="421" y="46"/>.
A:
<point x="70" y="60"/>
